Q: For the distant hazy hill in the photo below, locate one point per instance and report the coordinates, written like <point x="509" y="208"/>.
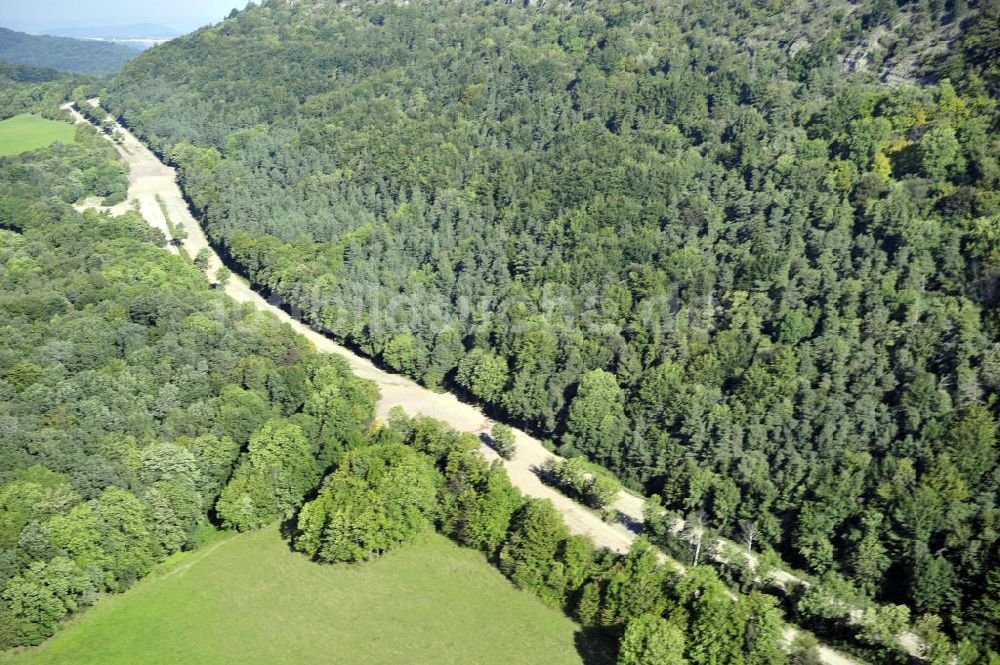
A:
<point x="117" y="32"/>
<point x="73" y="55"/>
<point x="135" y="35"/>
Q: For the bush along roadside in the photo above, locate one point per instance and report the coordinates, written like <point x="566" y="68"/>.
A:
<point x="418" y="472"/>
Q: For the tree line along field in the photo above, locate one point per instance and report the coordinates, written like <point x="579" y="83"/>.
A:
<point x="248" y="599"/>
<point x="30" y="132"/>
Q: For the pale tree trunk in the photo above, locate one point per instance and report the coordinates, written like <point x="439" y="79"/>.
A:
<point x="695" y="531"/>
<point x="749" y="531"/>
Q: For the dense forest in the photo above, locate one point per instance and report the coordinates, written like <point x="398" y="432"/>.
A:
<point x="137" y="405"/>
<point x="80" y="56"/>
<point x="39" y="90"/>
<point x="11" y="74"/>
<point x="419" y="472"/>
<point x="685" y="241"/>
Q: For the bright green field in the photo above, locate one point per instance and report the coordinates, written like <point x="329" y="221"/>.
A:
<point x="29" y="132"/>
<point x="248" y="600"/>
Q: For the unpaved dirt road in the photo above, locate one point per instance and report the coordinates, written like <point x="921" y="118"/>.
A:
<point x="149" y="178"/>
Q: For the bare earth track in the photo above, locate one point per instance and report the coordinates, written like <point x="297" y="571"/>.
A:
<point x="149" y="178"/>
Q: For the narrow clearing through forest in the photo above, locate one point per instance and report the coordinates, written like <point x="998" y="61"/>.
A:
<point x="150" y="179"/>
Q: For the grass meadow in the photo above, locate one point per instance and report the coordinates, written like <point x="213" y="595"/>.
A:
<point x="30" y="132"/>
<point x="247" y="599"/>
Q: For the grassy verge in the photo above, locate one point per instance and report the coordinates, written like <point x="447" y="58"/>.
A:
<point x="176" y="233"/>
<point x="247" y="599"/>
<point x="30" y="132"/>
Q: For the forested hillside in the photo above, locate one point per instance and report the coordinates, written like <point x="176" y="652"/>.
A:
<point x="129" y="393"/>
<point x="684" y="240"/>
<point x="38" y="90"/>
<point x="10" y="74"/>
<point x="139" y="406"/>
<point x="81" y="56"/>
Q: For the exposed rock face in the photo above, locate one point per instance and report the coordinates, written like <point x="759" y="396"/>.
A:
<point x="796" y="46"/>
<point x="859" y="58"/>
<point x="908" y="65"/>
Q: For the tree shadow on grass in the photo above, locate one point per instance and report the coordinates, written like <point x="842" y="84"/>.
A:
<point x="596" y="645"/>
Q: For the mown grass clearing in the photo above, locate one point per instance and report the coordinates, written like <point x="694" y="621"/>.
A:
<point x="247" y="599"/>
<point x="30" y="132"/>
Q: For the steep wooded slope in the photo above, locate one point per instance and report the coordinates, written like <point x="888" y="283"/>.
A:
<point x="666" y="236"/>
<point x="80" y="56"/>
